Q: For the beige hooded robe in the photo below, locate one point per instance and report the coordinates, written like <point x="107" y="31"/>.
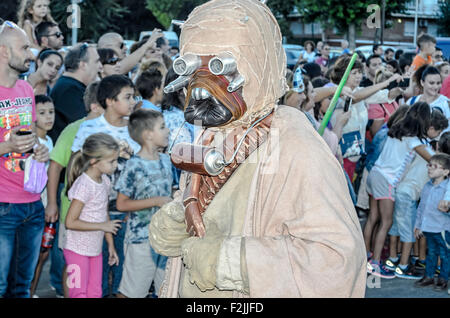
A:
<point x="289" y="224"/>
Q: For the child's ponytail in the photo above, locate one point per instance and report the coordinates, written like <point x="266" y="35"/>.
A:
<point x="96" y="146"/>
<point x="78" y="164"/>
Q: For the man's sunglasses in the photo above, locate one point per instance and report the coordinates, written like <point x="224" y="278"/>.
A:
<point x="112" y="61"/>
<point x="57" y="34"/>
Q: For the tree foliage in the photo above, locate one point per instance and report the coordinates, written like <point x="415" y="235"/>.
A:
<point x="96" y="17"/>
<point x="444" y="18"/>
<point x="167" y="10"/>
<point x="281" y="10"/>
<point x="8" y="10"/>
<point x="341" y="14"/>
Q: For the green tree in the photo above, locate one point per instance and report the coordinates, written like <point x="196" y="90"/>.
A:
<point x="444" y="18"/>
<point x="281" y="10"/>
<point x="96" y="17"/>
<point x="167" y="10"/>
<point x="8" y="10"/>
<point x="347" y="17"/>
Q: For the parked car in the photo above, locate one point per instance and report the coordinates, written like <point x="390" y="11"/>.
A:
<point x="335" y="52"/>
<point x="293" y="52"/>
<point x="444" y="45"/>
<point x="367" y="49"/>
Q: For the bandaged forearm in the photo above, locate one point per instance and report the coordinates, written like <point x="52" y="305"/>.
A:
<point x="380" y="97"/>
<point x="229" y="266"/>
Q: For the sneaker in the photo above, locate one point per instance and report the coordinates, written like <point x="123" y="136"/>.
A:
<point x="419" y="264"/>
<point x="408" y="273"/>
<point x="390" y="264"/>
<point x="440" y="285"/>
<point x="378" y="270"/>
<point x="35" y="296"/>
<point x="369" y="256"/>
<point x="438" y="270"/>
<point x="424" y="281"/>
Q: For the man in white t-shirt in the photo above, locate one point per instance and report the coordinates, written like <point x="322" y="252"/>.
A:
<point x="116" y="95"/>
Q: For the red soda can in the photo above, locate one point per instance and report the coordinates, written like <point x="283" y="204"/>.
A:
<point x="49" y="235"/>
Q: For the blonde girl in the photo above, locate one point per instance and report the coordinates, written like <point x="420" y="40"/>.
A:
<point x="87" y="220"/>
<point x="30" y="14"/>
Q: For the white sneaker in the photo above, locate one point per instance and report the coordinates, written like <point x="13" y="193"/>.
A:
<point x="35" y="296"/>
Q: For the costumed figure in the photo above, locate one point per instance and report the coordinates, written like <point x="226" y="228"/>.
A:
<point x="263" y="208"/>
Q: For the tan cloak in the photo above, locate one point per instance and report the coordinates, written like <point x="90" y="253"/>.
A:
<point x="302" y="237"/>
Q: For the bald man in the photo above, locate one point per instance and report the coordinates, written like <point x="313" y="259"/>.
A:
<point x="21" y="212"/>
<point x="115" y="41"/>
<point x="344" y="46"/>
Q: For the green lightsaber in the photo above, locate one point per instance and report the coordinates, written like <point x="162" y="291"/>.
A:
<point x="333" y="103"/>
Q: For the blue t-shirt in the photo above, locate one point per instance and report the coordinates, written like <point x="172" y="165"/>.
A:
<point x="144" y="179"/>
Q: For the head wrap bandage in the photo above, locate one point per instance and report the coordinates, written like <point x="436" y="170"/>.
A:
<point x="249" y="32"/>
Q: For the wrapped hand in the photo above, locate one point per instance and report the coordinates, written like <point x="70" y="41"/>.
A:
<point x="200" y="256"/>
<point x="167" y="229"/>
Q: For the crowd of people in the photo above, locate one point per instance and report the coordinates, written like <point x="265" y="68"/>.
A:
<point x="389" y="142"/>
<point x="104" y="126"/>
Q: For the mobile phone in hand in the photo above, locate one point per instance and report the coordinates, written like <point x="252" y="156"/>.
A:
<point x="347" y="104"/>
<point x="24" y="132"/>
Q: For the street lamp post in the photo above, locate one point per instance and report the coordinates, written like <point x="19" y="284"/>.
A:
<point x="383" y="17"/>
<point x="74" y="22"/>
<point x="415" y="22"/>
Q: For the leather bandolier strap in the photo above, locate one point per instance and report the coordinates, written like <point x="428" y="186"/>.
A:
<point x="201" y="189"/>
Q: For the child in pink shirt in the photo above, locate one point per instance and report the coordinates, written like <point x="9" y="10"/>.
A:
<point x="87" y="220"/>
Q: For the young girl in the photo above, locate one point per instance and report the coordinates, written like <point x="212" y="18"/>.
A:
<point x="87" y="220"/>
<point x="406" y="197"/>
<point x="30" y="14"/>
<point x="405" y="138"/>
<point x="48" y="64"/>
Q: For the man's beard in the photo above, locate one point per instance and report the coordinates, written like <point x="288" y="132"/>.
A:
<point x="19" y="67"/>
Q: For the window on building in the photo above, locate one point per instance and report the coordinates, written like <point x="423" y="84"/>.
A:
<point x="409" y="28"/>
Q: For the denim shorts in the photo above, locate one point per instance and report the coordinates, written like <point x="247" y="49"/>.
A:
<point x="405" y="210"/>
<point x="378" y="186"/>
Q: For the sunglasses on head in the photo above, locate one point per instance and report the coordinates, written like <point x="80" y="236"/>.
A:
<point x="83" y="50"/>
<point x="112" y="61"/>
<point x="57" y="34"/>
<point x="8" y="24"/>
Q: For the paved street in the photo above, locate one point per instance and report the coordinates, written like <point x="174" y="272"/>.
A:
<point x="376" y="288"/>
<point x="393" y="288"/>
